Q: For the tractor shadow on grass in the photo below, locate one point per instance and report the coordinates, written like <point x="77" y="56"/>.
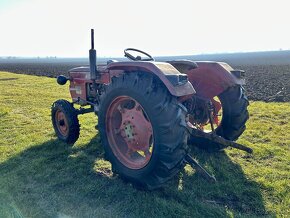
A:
<point x="233" y="191"/>
<point x="54" y="180"/>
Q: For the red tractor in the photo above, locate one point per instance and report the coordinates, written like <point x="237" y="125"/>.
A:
<point x="148" y="112"/>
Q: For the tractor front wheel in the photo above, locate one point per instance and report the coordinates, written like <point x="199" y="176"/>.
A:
<point x="65" y="121"/>
<point x="143" y="129"/>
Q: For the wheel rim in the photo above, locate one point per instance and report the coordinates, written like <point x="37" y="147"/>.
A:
<point x="61" y="123"/>
<point x="129" y="132"/>
<point x="217" y="115"/>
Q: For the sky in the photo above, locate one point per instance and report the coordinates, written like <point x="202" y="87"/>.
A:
<point x="61" y="28"/>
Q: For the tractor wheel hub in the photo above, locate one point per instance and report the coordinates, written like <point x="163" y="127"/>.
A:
<point x="130" y="132"/>
<point x="135" y="129"/>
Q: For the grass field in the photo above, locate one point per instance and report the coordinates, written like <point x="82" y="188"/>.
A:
<point x="42" y="177"/>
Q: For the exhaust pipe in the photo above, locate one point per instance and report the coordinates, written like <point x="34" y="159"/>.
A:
<point x="93" y="58"/>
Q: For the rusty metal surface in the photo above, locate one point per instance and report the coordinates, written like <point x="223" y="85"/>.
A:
<point x="218" y="140"/>
<point x="79" y="78"/>
<point x="183" y="65"/>
<point x="160" y="69"/>
<point x="129" y="131"/>
<point x="210" y="79"/>
<point x="77" y="85"/>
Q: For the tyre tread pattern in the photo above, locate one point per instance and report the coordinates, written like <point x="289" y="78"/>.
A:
<point x="170" y="129"/>
<point x="233" y="124"/>
<point x="72" y="118"/>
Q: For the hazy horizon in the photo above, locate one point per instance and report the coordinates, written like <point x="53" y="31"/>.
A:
<point x="105" y="57"/>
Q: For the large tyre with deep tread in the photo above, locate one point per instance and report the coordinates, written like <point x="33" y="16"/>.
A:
<point x="166" y="119"/>
<point x="65" y="121"/>
<point x="234" y="117"/>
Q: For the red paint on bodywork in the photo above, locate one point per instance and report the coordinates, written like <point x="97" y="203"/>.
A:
<point x="217" y="106"/>
<point x="79" y="81"/>
<point x="160" y="69"/>
<point x="210" y="79"/>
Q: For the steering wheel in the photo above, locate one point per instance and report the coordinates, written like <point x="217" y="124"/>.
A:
<point x="137" y="58"/>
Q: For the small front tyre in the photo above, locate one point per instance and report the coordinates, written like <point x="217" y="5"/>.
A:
<point x="65" y="121"/>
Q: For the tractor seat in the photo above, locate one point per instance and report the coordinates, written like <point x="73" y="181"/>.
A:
<point x="111" y="61"/>
<point x="183" y="66"/>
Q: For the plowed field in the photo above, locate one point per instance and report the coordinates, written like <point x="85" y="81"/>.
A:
<point x="263" y="82"/>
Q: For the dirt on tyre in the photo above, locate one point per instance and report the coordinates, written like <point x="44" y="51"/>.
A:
<point x="65" y="121"/>
<point x="143" y="129"/>
<point x="235" y="114"/>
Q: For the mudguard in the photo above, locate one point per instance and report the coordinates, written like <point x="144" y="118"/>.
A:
<point x="209" y="79"/>
<point x="176" y="82"/>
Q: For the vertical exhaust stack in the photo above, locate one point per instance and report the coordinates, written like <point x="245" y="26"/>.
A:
<point x="93" y="58"/>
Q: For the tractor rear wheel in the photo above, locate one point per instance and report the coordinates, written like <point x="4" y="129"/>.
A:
<point x="65" y="121"/>
<point x="235" y="114"/>
<point x="143" y="129"/>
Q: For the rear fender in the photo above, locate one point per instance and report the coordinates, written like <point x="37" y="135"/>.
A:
<point x="212" y="78"/>
<point x="176" y="82"/>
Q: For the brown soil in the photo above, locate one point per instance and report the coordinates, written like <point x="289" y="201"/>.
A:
<point x="263" y="82"/>
<point x="268" y="82"/>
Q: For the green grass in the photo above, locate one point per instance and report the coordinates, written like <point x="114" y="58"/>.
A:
<point x="42" y="177"/>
